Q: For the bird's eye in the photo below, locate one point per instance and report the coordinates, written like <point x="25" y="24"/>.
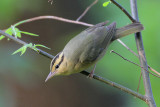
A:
<point x="57" y="66"/>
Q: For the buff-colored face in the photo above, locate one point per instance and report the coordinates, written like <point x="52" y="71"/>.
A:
<point x="58" y="66"/>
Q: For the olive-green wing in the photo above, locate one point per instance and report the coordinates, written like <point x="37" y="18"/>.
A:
<point x="99" y="40"/>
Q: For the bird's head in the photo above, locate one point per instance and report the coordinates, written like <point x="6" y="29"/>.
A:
<point x="58" y="66"/>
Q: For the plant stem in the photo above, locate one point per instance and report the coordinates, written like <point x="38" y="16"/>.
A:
<point x="52" y="17"/>
<point x="86" y="10"/>
<point x="142" y="58"/>
<point x="124" y="10"/>
<point x="113" y="84"/>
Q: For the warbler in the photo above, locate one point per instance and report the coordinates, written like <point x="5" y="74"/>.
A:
<point x="88" y="47"/>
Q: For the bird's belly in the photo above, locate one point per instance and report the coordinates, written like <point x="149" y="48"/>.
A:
<point x="80" y="67"/>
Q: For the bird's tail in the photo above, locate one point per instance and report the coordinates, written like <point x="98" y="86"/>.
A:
<point x="129" y="29"/>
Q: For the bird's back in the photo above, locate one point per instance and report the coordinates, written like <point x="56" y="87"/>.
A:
<point x="91" y="44"/>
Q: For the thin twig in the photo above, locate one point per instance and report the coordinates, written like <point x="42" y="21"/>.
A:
<point x="52" y="17"/>
<point x="124" y="10"/>
<point x="113" y="84"/>
<point x="47" y="55"/>
<point x="153" y="70"/>
<point x="139" y="82"/>
<point x="122" y="43"/>
<point x="133" y="63"/>
<point x="86" y="10"/>
<point x="142" y="58"/>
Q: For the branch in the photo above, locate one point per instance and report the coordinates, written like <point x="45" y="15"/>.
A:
<point x="87" y="9"/>
<point x="142" y="58"/>
<point x="124" y="10"/>
<point x="52" y="17"/>
<point x="113" y="84"/>
<point x="122" y="43"/>
<point x="133" y="63"/>
<point x="106" y="81"/>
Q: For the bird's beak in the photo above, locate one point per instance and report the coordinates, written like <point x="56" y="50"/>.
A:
<point x="50" y="75"/>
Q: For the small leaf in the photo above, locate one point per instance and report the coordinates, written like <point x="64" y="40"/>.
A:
<point x="29" y="45"/>
<point x="35" y="48"/>
<point x="24" y="48"/>
<point x="41" y="46"/>
<point x="18" y="32"/>
<point x="2" y="37"/>
<point x="28" y="33"/>
<point x="14" y="31"/>
<point x="106" y="3"/>
<point x="9" y="31"/>
<point x="21" y="22"/>
<point x="19" y="50"/>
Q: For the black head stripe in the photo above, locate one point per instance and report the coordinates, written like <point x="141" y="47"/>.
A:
<point x="54" y="60"/>
<point x="61" y="60"/>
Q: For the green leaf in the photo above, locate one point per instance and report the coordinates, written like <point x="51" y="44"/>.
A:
<point x="2" y="37"/>
<point x="29" y="45"/>
<point x="9" y="31"/>
<point x="35" y="45"/>
<point x="28" y="33"/>
<point x="24" y="48"/>
<point x="14" y="31"/>
<point x="18" y="32"/>
<point x="21" y="22"/>
<point x="106" y="3"/>
<point x="19" y="50"/>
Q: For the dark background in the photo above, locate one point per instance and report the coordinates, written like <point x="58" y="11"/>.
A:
<point x="22" y="77"/>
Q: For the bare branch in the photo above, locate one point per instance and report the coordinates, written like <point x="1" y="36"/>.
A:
<point x="86" y="10"/>
<point x="113" y="84"/>
<point x="142" y="58"/>
<point x="133" y="63"/>
<point x="41" y="52"/>
<point x="124" y="10"/>
<point x="139" y="82"/>
<point x="122" y="43"/>
<point x="153" y="70"/>
<point x="52" y="17"/>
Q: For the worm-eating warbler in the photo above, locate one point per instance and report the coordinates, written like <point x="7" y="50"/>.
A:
<point x="85" y="49"/>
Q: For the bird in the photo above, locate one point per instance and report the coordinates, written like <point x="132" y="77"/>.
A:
<point x="88" y="47"/>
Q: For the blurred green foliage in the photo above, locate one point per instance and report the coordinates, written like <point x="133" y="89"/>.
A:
<point x="22" y="78"/>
